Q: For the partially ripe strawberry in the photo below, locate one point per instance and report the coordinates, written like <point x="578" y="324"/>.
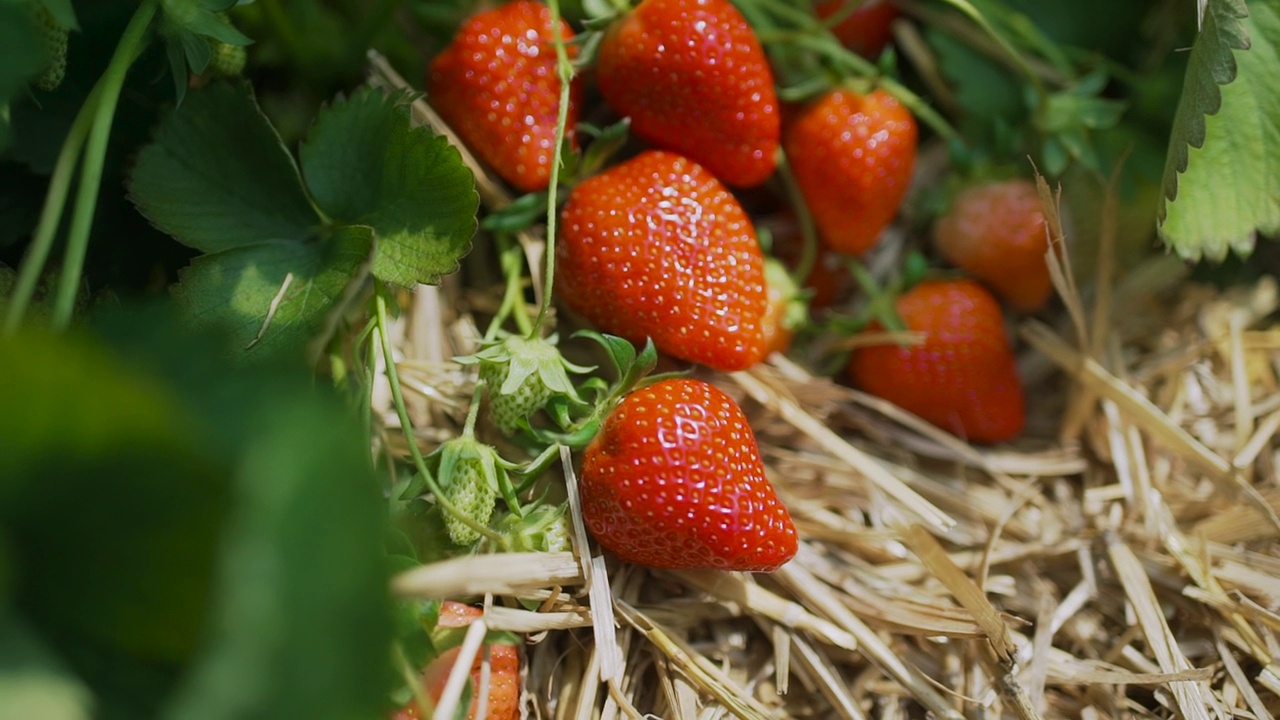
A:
<point x="504" y="671"/>
<point x="657" y="247"/>
<point x="996" y="232"/>
<point x="867" y="30"/>
<point x="852" y="156"/>
<point x="963" y="377"/>
<point x="694" y="79"/>
<point x="674" y="479"/>
<point x="496" y="85"/>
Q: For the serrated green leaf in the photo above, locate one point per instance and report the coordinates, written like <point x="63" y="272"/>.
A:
<point x="217" y="176"/>
<point x="1222" y="174"/>
<point x="366" y="165"/>
<point x="277" y="296"/>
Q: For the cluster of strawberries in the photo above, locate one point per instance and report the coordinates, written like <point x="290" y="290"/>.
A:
<point x="657" y="247"/>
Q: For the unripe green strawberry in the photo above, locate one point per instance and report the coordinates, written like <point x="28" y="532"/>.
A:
<point x="54" y="39"/>
<point x="542" y="528"/>
<point x="226" y="59"/>
<point x="522" y="374"/>
<point x="470" y="475"/>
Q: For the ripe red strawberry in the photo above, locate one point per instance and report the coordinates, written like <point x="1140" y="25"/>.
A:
<point x="657" y="247"/>
<point x="866" y="30"/>
<point x="995" y="231"/>
<point x="504" y="671"/>
<point x="693" y="78"/>
<point x="852" y="156"/>
<point x="963" y="377"/>
<point x="496" y="85"/>
<point x="675" y="480"/>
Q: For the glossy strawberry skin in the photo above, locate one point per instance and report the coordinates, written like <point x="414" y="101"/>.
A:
<point x="693" y="78"/>
<point x="504" y="671"/>
<point x="963" y="377"/>
<point x="674" y="480"/>
<point x="995" y="231"/>
<point x="496" y="85"/>
<point x="852" y="156"/>
<point x="657" y="247"/>
<point x="867" y="30"/>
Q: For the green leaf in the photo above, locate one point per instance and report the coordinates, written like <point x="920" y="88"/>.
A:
<point x="277" y="296"/>
<point x="295" y="637"/>
<point x="33" y="682"/>
<point x="217" y="176"/>
<point x="1222" y="174"/>
<point x="366" y="165"/>
<point x="62" y="12"/>
<point x="22" y="56"/>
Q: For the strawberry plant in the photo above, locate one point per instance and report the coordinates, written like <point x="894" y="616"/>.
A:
<point x="651" y="293"/>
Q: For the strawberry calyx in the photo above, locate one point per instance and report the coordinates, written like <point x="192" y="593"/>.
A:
<point x="521" y="374"/>
<point x="542" y="527"/>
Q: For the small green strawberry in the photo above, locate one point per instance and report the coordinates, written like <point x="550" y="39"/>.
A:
<point x="470" y="475"/>
<point x="541" y="528"/>
<point x="53" y="37"/>
<point x="225" y="59"/>
<point x="522" y="374"/>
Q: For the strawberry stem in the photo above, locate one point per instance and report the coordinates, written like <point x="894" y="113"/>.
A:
<point x="112" y="81"/>
<point x="406" y="425"/>
<point x="89" y="134"/>
<point x="513" y="294"/>
<point x="880" y="305"/>
<point x="565" y="71"/>
<point x="808" y="231"/>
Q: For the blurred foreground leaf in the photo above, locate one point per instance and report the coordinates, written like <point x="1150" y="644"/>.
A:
<point x="185" y="539"/>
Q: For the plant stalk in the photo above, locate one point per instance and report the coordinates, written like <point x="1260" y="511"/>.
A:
<point x="95" y="153"/>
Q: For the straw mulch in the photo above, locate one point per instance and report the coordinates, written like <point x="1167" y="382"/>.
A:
<point x="1120" y="560"/>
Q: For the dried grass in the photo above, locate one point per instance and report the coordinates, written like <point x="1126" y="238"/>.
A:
<point x="1121" y="564"/>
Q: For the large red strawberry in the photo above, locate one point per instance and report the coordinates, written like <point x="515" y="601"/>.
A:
<point x="657" y="247"/>
<point x="674" y="479"/>
<point x="866" y="30"/>
<point x="995" y="231"/>
<point x="504" y="671"/>
<point x="496" y="85"/>
<point x="852" y="156"/>
<point x="693" y="78"/>
<point x="962" y="377"/>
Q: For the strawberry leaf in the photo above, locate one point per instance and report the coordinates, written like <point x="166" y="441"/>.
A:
<point x="1222" y="173"/>
<point x="218" y="177"/>
<point x="275" y="296"/>
<point x="366" y="165"/>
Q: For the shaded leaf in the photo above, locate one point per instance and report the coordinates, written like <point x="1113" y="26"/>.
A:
<point x="1222" y="174"/>
<point x="301" y="621"/>
<point x="365" y="165"/>
<point x="276" y="296"/>
<point x="22" y="56"/>
<point x="217" y="176"/>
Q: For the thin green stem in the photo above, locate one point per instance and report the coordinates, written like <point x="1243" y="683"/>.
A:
<point x="965" y="7"/>
<point x="808" y="231"/>
<point x="513" y="294"/>
<point x="406" y="425"/>
<point x="564" y="69"/>
<point x="95" y="153"/>
<point x="51" y="215"/>
<point x="473" y="411"/>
